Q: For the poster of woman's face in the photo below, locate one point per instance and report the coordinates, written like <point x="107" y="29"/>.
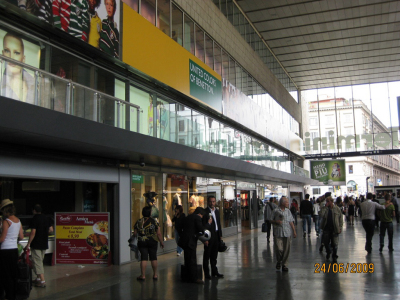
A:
<point x="17" y="82"/>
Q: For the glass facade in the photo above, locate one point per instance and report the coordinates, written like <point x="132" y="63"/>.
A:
<point x="234" y="15"/>
<point x="352" y="118"/>
<point x="200" y="44"/>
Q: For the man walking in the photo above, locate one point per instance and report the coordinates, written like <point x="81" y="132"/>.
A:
<point x="332" y="225"/>
<point x="38" y="241"/>
<point x="306" y="211"/>
<point x="368" y="209"/>
<point x="268" y="211"/>
<point x="386" y="223"/>
<point x="211" y="221"/>
<point x="283" y="228"/>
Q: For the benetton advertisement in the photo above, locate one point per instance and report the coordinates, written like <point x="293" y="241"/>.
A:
<point x="205" y="86"/>
<point x="82" y="238"/>
<point x="329" y="172"/>
<point x="94" y="22"/>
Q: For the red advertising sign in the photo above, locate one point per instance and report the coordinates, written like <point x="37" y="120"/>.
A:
<point x="82" y="238"/>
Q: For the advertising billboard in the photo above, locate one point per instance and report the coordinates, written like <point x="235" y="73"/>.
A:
<point x="329" y="172"/>
<point x="94" y="22"/>
<point x="16" y="82"/>
<point x="154" y="53"/>
<point x="82" y="238"/>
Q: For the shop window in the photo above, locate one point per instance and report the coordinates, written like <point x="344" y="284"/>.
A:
<point x="163" y="17"/>
<point x="225" y="65"/>
<point x="175" y="192"/>
<point x="141" y="183"/>
<point x="177" y="25"/>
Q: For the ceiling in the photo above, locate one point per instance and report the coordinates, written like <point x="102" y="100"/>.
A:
<point x="331" y="42"/>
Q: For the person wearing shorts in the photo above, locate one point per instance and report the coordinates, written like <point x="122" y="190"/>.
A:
<point x="148" y="234"/>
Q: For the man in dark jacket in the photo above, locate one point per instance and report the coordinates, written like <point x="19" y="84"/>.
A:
<point x="192" y="228"/>
<point x="306" y="211"/>
<point x="211" y="221"/>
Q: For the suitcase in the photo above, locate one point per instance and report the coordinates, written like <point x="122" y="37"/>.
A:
<point x="199" y="270"/>
<point x="24" y="279"/>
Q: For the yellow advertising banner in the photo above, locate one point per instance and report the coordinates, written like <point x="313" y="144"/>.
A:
<point x="152" y="52"/>
<point x="73" y="232"/>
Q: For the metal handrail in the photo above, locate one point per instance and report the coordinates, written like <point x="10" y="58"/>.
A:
<point x="70" y="84"/>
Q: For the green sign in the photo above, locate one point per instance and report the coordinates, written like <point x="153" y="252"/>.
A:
<point x="137" y="178"/>
<point x="205" y="86"/>
<point x="329" y="172"/>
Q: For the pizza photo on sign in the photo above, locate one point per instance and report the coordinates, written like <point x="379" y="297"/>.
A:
<point x="101" y="227"/>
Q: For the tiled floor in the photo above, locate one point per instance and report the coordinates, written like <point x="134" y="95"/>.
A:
<point x="249" y="269"/>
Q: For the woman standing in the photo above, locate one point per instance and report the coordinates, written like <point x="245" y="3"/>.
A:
<point x="350" y="211"/>
<point x="12" y="231"/>
<point x="178" y="219"/>
<point x="148" y="232"/>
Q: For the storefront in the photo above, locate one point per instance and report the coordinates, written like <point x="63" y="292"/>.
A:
<point x="63" y="187"/>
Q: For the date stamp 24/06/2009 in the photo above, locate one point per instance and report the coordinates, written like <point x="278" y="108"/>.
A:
<point x="344" y="268"/>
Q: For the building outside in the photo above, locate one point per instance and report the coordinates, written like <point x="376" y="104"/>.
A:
<point x="347" y="125"/>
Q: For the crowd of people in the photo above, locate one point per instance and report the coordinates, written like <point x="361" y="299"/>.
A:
<point x="329" y="215"/>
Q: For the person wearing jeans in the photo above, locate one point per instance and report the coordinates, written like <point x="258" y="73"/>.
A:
<point x="178" y="220"/>
<point x="368" y="209"/>
<point x="306" y="211"/>
<point x="386" y="223"/>
<point x="316" y="210"/>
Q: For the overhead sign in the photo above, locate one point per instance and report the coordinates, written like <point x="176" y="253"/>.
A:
<point x="82" y="238"/>
<point x="204" y="86"/>
<point x="329" y="172"/>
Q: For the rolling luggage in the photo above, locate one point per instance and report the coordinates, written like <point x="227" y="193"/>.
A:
<point x="24" y="280"/>
<point x="199" y="272"/>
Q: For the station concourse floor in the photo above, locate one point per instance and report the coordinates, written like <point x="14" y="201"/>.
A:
<point x="249" y="269"/>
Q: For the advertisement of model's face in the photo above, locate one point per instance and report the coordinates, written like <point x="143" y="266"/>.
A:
<point x="17" y="82"/>
<point x="95" y="22"/>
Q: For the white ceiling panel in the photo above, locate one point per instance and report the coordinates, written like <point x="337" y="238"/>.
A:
<point x="331" y="42"/>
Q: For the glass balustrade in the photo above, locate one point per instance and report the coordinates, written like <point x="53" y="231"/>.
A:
<point x="145" y="114"/>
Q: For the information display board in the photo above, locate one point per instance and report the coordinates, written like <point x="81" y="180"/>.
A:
<point x="81" y="238"/>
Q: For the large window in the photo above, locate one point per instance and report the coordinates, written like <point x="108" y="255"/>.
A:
<point x="363" y="117"/>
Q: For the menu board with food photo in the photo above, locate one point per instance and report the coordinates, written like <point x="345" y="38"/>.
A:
<point x="82" y="238"/>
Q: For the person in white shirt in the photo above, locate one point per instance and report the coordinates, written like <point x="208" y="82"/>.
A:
<point x="12" y="231"/>
<point x="368" y="209"/>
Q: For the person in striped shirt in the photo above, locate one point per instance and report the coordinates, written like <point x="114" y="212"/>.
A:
<point x="109" y="36"/>
<point x="72" y="16"/>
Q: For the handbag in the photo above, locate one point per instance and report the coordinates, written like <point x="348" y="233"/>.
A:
<point x="264" y="227"/>
<point x="222" y="246"/>
<point x="133" y="244"/>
